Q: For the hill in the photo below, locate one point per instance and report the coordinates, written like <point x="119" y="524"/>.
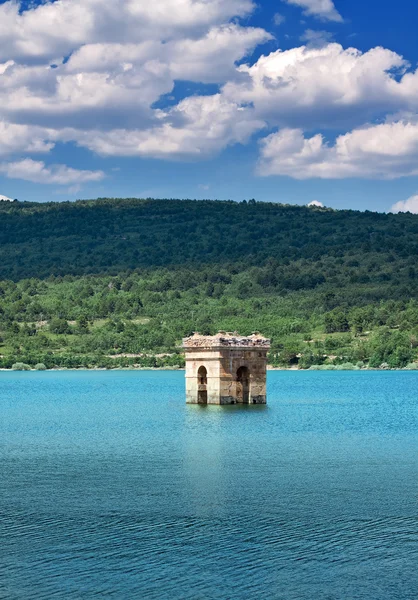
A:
<point x="116" y="282"/>
<point x="110" y="235"/>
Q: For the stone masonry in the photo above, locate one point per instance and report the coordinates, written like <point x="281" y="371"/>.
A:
<point x="226" y="369"/>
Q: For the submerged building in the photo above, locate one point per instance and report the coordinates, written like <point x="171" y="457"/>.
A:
<point x="226" y="369"/>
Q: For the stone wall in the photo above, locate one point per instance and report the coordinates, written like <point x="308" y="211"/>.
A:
<point x="201" y="357"/>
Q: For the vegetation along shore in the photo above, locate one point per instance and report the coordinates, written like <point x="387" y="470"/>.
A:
<point x="117" y="283"/>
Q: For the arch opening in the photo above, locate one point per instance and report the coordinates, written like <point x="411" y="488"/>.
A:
<point x="243" y="385"/>
<point x="202" y="385"/>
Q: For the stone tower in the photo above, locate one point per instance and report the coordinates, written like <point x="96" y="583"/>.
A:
<point x="226" y="369"/>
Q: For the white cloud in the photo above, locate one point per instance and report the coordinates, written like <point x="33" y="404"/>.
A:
<point x="208" y="59"/>
<point x="279" y="19"/>
<point x="58" y="97"/>
<point x="37" y="172"/>
<point x="72" y="190"/>
<point x="102" y="97"/>
<point x="116" y="84"/>
<point x="316" y="38"/>
<point x="5" y="66"/>
<point x="124" y="55"/>
<point x="55" y="29"/>
<point x="211" y="59"/>
<point x="5" y="199"/>
<point x="197" y="127"/>
<point x="386" y="151"/>
<point x="325" y="87"/>
<point x="315" y="203"/>
<point x="323" y="9"/>
<point x="18" y="138"/>
<point x="410" y="205"/>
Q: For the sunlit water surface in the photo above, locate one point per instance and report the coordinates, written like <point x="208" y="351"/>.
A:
<point x="111" y="487"/>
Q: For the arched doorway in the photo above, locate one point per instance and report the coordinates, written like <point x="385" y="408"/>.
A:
<point x="243" y="385"/>
<point x="202" y="385"/>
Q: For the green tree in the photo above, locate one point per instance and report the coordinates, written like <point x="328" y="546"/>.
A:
<point x="59" y="326"/>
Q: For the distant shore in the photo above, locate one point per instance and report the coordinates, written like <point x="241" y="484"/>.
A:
<point x="335" y="369"/>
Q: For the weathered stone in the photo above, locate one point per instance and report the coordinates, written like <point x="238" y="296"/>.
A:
<point x="226" y="369"/>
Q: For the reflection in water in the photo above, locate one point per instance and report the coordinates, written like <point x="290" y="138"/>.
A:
<point x="207" y="457"/>
<point x="113" y="487"/>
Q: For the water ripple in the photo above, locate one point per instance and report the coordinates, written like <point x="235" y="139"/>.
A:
<point x="314" y="498"/>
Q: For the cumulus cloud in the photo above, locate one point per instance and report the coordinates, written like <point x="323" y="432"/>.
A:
<point x="54" y="29"/>
<point x="410" y="205"/>
<point x="116" y="84"/>
<point x="385" y="151"/>
<point x="60" y="97"/>
<point x="315" y="204"/>
<point x="325" y="87"/>
<point x="121" y="58"/>
<point x="197" y="127"/>
<point x="37" y="172"/>
<point x="323" y="9"/>
<point x="5" y="199"/>
<point x="212" y="58"/>
<point x="208" y="59"/>
<point x="17" y="138"/>
<point x="93" y="72"/>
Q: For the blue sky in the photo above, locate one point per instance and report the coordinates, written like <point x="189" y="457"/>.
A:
<point x="287" y="101"/>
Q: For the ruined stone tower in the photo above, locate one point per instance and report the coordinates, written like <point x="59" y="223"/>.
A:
<point x="226" y="369"/>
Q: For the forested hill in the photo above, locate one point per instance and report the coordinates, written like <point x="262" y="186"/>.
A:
<point x="112" y="235"/>
<point x="114" y="283"/>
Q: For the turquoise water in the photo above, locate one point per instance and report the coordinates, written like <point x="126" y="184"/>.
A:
<point x="111" y="487"/>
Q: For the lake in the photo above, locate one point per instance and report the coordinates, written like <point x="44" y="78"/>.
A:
<point x="111" y="487"/>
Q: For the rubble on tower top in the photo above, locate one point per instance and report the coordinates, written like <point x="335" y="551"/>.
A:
<point x="228" y="339"/>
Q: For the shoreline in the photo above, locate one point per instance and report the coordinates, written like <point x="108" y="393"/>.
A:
<point x="294" y="369"/>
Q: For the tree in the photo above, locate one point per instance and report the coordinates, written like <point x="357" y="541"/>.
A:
<point x="336" y="321"/>
<point x="59" y="326"/>
<point x="82" y="325"/>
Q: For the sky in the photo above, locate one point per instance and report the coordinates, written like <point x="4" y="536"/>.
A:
<point x="288" y="101"/>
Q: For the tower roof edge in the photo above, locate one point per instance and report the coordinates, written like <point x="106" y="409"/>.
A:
<point x="226" y="340"/>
